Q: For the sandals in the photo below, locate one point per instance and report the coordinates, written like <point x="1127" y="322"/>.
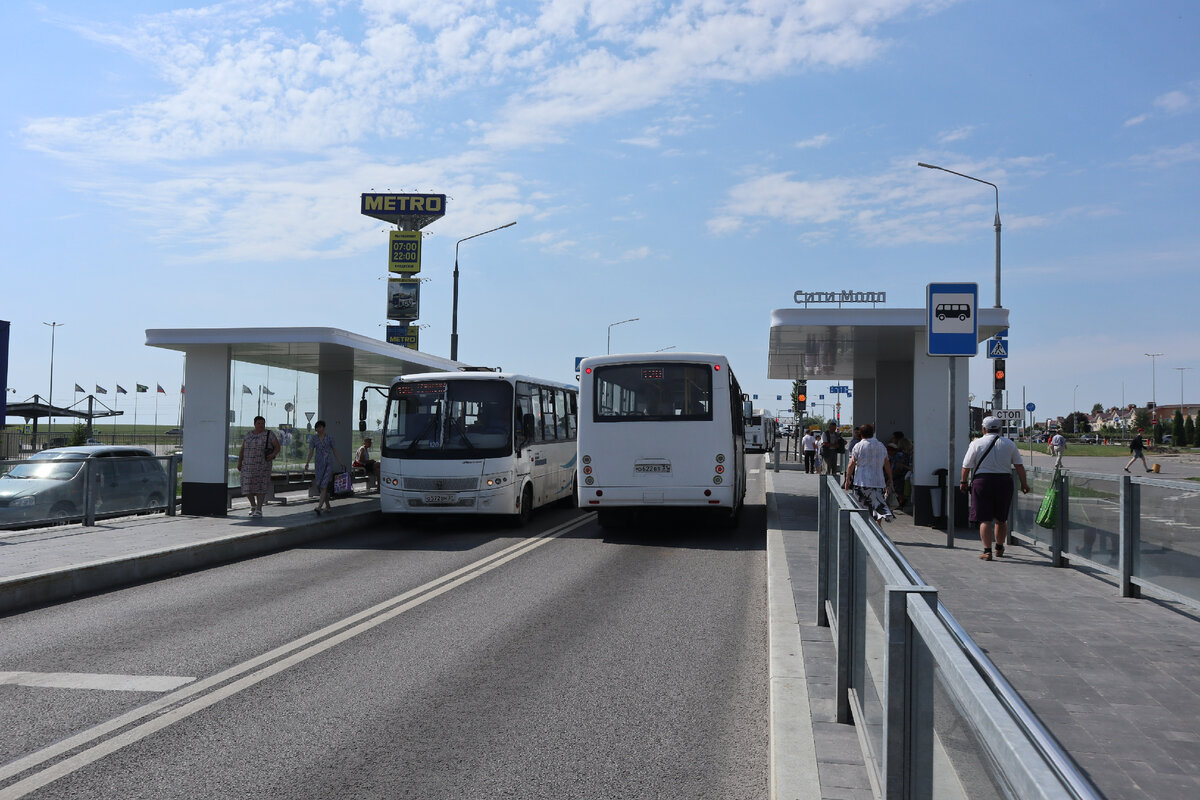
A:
<point x="999" y="551"/>
<point x="986" y="555"/>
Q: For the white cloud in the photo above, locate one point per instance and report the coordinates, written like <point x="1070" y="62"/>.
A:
<point x="901" y="204"/>
<point x="820" y="140"/>
<point x="1166" y="157"/>
<point x="1138" y="120"/>
<point x="956" y="135"/>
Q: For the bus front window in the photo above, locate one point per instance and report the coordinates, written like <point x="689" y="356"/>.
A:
<point x="451" y="419"/>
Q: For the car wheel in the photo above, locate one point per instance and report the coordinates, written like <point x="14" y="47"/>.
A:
<point x="62" y="513"/>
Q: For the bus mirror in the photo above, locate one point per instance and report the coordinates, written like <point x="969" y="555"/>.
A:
<point x="362" y="425"/>
<point x="362" y="411"/>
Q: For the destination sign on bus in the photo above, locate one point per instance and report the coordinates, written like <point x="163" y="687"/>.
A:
<point x="429" y="387"/>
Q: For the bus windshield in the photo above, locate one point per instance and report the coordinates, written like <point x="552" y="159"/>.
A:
<point x="449" y="419"/>
<point x="653" y="391"/>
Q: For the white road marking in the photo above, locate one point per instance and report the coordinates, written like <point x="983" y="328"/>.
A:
<point x="176" y="706"/>
<point x="85" y="680"/>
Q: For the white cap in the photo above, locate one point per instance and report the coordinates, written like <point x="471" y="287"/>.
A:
<point x="991" y="424"/>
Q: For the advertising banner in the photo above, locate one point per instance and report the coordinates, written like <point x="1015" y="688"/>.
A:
<point x="404" y="252"/>
<point x="403" y="299"/>
<point x="406" y="335"/>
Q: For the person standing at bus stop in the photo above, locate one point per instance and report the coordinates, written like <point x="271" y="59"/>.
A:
<point x="832" y="445"/>
<point x="259" y="448"/>
<point x="869" y="473"/>
<point x="808" y="445"/>
<point x="986" y="473"/>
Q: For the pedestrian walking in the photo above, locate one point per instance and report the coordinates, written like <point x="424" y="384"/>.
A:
<point x="259" y="448"/>
<point x="987" y="474"/>
<point x="321" y="445"/>
<point x="809" y="447"/>
<point x="832" y="445"/>
<point x="869" y="474"/>
<point x="1058" y="446"/>
<point x="1137" y="448"/>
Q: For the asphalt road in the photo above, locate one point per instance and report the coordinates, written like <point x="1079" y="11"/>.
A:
<point x="457" y="659"/>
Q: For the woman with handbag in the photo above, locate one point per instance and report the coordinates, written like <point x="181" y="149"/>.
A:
<point x="321" y="445"/>
<point x="259" y="448"/>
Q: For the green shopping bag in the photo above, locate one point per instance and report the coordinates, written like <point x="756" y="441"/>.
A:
<point x="1047" y="516"/>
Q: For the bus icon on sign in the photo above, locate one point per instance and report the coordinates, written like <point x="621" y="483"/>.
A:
<point x="960" y="310"/>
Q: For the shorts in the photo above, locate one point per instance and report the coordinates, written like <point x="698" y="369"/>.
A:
<point x="991" y="497"/>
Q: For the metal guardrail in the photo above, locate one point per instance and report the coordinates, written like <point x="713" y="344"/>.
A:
<point x="935" y="716"/>
<point x="95" y="491"/>
<point x="1144" y="531"/>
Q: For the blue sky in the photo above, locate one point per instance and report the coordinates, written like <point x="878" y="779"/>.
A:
<point x="690" y="164"/>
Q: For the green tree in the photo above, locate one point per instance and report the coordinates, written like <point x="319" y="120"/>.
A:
<point x="1141" y="419"/>
<point x="1189" y="432"/>
<point x="1177" y="437"/>
<point x="78" y="435"/>
<point x="1097" y="408"/>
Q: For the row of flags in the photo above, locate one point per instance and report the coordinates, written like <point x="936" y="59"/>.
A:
<point x="141" y="389"/>
<point x="247" y="390"/>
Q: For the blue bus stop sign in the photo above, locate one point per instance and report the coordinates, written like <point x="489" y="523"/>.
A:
<point x="952" y="319"/>
<point x="1030" y="407"/>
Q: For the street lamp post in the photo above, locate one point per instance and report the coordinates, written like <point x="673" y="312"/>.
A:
<point x="1074" y="410"/>
<point x="996" y="392"/>
<point x="50" y="413"/>
<point x="454" y="313"/>
<point x="608" y="348"/>
<point x="1181" y="371"/>
<point x="1153" y="381"/>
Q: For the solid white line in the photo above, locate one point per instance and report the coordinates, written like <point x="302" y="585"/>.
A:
<point x="324" y="639"/>
<point x="793" y="745"/>
<point x="85" y="680"/>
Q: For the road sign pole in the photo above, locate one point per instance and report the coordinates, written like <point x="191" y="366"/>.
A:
<point x="951" y="484"/>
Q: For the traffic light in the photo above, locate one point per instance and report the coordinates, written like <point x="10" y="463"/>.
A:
<point x="998" y="374"/>
<point x="802" y="396"/>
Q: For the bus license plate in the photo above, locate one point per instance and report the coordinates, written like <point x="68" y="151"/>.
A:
<point x="651" y="467"/>
<point x="439" y="499"/>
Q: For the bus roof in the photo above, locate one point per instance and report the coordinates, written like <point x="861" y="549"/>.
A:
<point x="483" y="376"/>
<point x="642" y="358"/>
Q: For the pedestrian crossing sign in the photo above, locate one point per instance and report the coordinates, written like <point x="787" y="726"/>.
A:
<point x="997" y="348"/>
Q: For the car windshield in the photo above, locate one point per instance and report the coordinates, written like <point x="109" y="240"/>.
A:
<point x="449" y="419"/>
<point x="46" y="470"/>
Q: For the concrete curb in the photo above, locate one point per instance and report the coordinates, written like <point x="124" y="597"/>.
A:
<point x="794" y="774"/>
<point x="53" y="586"/>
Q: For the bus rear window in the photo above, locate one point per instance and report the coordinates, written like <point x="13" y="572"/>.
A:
<point x="640" y="392"/>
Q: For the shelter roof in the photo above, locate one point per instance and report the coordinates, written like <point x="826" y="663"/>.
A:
<point x="307" y="350"/>
<point x="847" y="343"/>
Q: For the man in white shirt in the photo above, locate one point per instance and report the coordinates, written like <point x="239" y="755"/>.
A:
<point x="1058" y="446"/>
<point x="808" y="445"/>
<point x="992" y="457"/>
<point x="870" y="474"/>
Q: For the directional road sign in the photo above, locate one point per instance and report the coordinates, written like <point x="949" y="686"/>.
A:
<point x="997" y="348"/>
<point x="952" y="319"/>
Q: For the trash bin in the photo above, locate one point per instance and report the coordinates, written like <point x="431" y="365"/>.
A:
<point x="962" y="503"/>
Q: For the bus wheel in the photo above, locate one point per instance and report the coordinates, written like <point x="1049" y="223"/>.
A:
<point x="572" y="500"/>
<point x="521" y="518"/>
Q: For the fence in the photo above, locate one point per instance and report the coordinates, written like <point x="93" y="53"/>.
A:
<point x="935" y="716"/>
<point x="57" y="491"/>
<point x="1143" y="531"/>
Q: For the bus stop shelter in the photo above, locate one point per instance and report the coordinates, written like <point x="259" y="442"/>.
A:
<point x="897" y="385"/>
<point x="338" y="358"/>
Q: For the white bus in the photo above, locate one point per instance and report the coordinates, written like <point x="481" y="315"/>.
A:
<point x="477" y="443"/>
<point x="760" y="432"/>
<point x="660" y="430"/>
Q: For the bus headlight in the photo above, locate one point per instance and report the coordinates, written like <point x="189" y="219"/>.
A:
<point x="496" y="481"/>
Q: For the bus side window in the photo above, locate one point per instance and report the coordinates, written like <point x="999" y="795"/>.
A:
<point x="560" y="415"/>
<point x="572" y="415"/>
<point x="525" y="407"/>
<point x="546" y="427"/>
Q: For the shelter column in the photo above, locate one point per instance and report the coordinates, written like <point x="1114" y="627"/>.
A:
<point x="206" y="429"/>
<point x="336" y="405"/>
